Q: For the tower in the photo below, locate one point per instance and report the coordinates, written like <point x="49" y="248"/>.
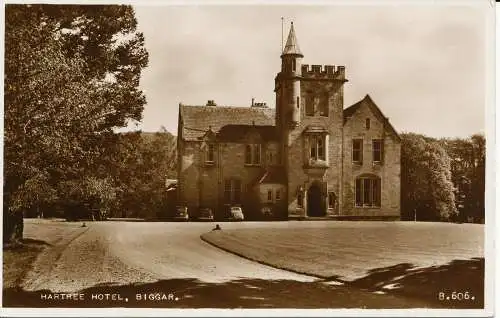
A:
<point x="309" y="118"/>
<point x="287" y="84"/>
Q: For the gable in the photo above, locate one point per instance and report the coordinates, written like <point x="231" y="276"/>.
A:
<point x="368" y="104"/>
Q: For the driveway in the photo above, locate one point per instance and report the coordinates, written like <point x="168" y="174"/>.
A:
<point x="133" y="252"/>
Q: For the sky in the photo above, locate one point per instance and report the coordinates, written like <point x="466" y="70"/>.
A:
<point x="423" y="65"/>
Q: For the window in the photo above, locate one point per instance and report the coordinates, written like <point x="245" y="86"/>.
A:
<point x="232" y="191"/>
<point x="252" y="154"/>
<point x="310" y="105"/>
<point x="332" y="200"/>
<point x="317" y="149"/>
<point x="236" y="191"/>
<point x="323" y="105"/>
<point x="378" y="146"/>
<point x="256" y="154"/>
<point x="357" y="150"/>
<point x="210" y="153"/>
<point x="294" y="65"/>
<point x="227" y="191"/>
<point x="368" y="191"/>
<point x="278" y="195"/>
<point x="248" y="154"/>
<point x="298" y="102"/>
<point x="272" y="157"/>
<point x="269" y="195"/>
<point x="300" y="199"/>
<point x="367" y="123"/>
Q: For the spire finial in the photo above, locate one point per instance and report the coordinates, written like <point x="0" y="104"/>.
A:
<point x="292" y="45"/>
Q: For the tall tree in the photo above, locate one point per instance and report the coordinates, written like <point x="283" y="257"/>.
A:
<point x="426" y="186"/>
<point x="468" y="157"/>
<point x="71" y="77"/>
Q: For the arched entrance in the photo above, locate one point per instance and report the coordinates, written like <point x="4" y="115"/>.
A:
<point x="315" y="204"/>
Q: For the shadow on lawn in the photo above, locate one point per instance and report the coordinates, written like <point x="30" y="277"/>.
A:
<point x="26" y="243"/>
<point x="452" y="280"/>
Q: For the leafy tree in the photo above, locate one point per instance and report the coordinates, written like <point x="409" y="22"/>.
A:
<point x="426" y="186"/>
<point x="71" y="77"/>
<point x="143" y="162"/>
<point x="468" y="173"/>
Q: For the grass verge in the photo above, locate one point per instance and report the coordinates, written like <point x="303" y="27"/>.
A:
<point x="18" y="261"/>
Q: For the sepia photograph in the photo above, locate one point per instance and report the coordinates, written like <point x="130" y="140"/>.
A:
<point x="190" y="158"/>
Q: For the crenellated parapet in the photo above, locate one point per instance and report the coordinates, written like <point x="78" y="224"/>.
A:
<point x="323" y="71"/>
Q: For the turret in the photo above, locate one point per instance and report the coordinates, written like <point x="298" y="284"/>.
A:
<point x="291" y="70"/>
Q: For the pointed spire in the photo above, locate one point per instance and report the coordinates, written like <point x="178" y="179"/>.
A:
<point x="292" y="46"/>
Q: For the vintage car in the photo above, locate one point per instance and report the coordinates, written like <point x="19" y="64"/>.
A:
<point x="181" y="214"/>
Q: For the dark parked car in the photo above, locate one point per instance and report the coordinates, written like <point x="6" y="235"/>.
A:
<point x="205" y="214"/>
<point x="181" y="214"/>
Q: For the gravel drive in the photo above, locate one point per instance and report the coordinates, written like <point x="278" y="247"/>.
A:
<point x="121" y="253"/>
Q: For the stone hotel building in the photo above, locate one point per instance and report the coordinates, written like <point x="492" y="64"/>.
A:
<point x="307" y="157"/>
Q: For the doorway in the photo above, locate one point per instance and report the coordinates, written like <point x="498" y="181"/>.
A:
<point x="315" y="202"/>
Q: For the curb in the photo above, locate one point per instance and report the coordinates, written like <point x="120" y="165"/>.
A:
<point x="319" y="278"/>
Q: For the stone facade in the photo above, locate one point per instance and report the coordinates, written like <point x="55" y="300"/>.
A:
<point x="308" y="157"/>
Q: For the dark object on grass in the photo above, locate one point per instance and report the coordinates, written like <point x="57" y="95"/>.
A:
<point x="216" y="228"/>
<point x="83" y="225"/>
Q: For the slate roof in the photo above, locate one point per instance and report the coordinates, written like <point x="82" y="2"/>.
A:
<point x="367" y="100"/>
<point x="198" y="119"/>
<point x="292" y="45"/>
<point x="236" y="133"/>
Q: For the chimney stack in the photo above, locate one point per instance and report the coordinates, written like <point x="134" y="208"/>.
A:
<point x="211" y="102"/>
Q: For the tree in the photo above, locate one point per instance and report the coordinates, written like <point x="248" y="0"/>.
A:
<point x="426" y="186"/>
<point x="468" y="173"/>
<point x="143" y="162"/>
<point x="71" y="77"/>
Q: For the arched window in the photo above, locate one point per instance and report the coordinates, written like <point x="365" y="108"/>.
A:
<point x="368" y="191"/>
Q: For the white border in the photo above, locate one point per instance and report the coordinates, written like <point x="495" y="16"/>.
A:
<point x="492" y="150"/>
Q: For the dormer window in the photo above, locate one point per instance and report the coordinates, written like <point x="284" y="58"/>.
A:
<point x="210" y="154"/>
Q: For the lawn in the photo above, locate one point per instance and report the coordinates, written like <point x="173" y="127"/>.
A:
<point x="415" y="259"/>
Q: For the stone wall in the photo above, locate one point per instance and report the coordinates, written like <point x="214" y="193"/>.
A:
<point x="388" y="170"/>
<point x="297" y="164"/>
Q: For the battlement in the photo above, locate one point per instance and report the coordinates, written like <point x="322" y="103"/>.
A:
<point x="323" y="71"/>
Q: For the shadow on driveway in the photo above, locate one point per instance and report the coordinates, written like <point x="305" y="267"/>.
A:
<point x="412" y="288"/>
